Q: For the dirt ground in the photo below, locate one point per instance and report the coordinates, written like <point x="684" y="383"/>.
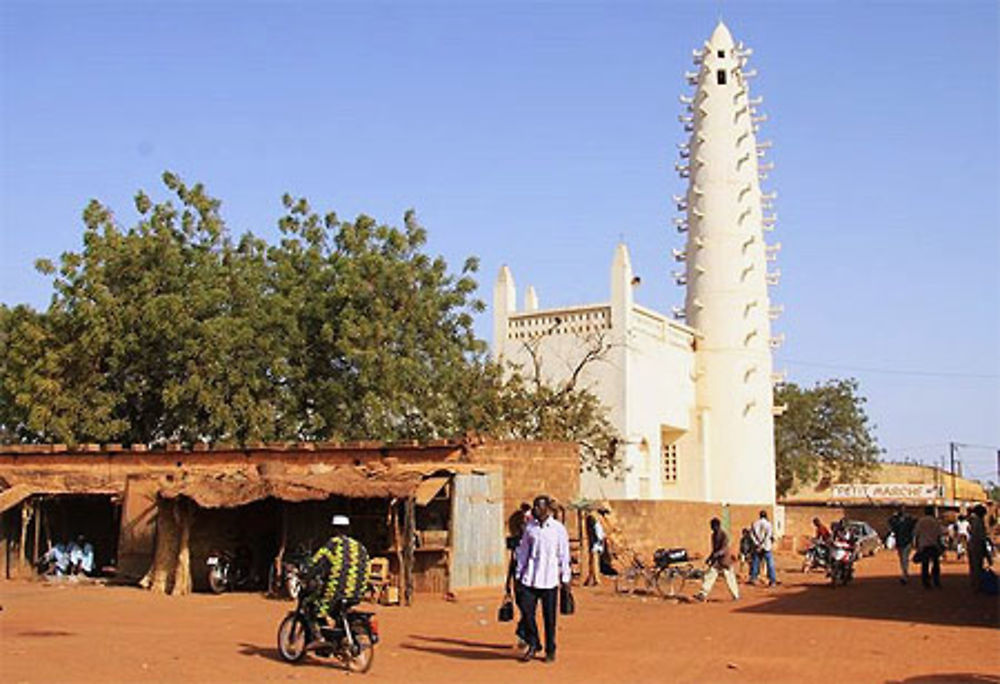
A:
<point x="874" y="630"/>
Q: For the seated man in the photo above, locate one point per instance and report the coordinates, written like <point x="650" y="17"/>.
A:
<point x="56" y="559"/>
<point x="338" y="573"/>
<point x="81" y="557"/>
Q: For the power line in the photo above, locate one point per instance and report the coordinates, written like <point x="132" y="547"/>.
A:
<point x="893" y="371"/>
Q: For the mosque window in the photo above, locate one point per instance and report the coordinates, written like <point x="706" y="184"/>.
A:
<point x="720" y="77"/>
<point x="668" y="445"/>
<point x="721" y="53"/>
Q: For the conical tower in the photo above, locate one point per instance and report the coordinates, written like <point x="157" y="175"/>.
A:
<point x="726" y="272"/>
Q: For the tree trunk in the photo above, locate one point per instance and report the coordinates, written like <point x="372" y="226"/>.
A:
<point x="183" y="513"/>
<point x="165" y="558"/>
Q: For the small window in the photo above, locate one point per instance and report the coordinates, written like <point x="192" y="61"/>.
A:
<point x="721" y="53"/>
<point x="720" y="77"/>
<point x="670" y="463"/>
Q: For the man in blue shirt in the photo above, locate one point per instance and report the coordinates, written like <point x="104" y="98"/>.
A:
<point x="542" y="566"/>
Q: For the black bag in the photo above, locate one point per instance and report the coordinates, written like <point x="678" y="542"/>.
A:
<point x="665" y="557"/>
<point x="567" y="604"/>
<point x="606" y="567"/>
<point x="506" y="611"/>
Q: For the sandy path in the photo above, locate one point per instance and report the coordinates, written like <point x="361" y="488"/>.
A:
<point x="874" y="630"/>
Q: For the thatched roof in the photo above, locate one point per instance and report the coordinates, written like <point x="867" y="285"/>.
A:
<point x="228" y="490"/>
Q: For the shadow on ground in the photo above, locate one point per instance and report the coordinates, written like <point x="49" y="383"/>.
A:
<point x="949" y="678"/>
<point x="884" y="598"/>
<point x="271" y="653"/>
<point x="461" y="648"/>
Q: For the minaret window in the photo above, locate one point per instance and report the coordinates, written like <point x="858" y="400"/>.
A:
<point x="721" y="53"/>
<point x="720" y="77"/>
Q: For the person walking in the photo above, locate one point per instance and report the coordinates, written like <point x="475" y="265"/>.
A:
<point x="542" y="568"/>
<point x="746" y="550"/>
<point x="977" y="546"/>
<point x="595" y="545"/>
<point x="762" y="535"/>
<point x="962" y="530"/>
<point x="512" y="588"/>
<point x="901" y="525"/>
<point x="718" y="561"/>
<point x="927" y="539"/>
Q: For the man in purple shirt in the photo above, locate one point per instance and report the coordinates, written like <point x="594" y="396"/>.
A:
<point x="542" y="565"/>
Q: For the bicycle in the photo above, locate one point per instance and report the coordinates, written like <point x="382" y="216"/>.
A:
<point x="667" y="578"/>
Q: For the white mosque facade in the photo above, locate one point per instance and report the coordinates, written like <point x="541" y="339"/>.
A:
<point x="692" y="400"/>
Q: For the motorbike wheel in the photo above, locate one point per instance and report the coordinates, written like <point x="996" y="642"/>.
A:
<point x="293" y="637"/>
<point x="362" y="662"/>
<point x="670" y="583"/>
<point x="217" y="579"/>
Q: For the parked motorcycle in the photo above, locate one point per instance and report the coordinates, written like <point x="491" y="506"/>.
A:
<point x="817" y="556"/>
<point x="230" y="571"/>
<point x="841" y="562"/>
<point x="348" y="635"/>
<point x="288" y="580"/>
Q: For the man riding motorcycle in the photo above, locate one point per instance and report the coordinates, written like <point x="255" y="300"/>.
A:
<point x="337" y="575"/>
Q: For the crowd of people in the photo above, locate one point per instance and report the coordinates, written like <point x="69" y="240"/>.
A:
<point x="928" y="539"/>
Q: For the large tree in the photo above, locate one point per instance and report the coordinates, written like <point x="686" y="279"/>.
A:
<point x="823" y="433"/>
<point x="172" y="329"/>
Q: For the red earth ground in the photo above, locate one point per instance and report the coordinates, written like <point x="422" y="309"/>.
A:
<point x="874" y="630"/>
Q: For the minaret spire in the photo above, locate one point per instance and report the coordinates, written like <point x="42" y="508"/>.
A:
<point x="727" y="275"/>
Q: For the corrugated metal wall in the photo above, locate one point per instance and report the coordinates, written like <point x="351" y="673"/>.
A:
<point x="478" y="555"/>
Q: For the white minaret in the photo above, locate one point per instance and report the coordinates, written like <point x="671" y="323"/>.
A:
<point x="726" y="274"/>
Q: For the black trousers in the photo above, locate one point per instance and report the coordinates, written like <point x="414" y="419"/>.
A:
<point x="527" y="601"/>
<point x="930" y="566"/>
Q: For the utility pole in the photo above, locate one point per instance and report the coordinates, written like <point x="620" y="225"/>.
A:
<point x="952" y="447"/>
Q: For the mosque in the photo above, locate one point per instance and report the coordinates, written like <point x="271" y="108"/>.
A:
<point x="690" y="392"/>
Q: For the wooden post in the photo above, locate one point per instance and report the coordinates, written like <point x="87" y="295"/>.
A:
<point x="27" y="508"/>
<point x="183" y="512"/>
<point x="397" y="545"/>
<point x="38" y="533"/>
<point x="409" y="532"/>
<point x="280" y="558"/>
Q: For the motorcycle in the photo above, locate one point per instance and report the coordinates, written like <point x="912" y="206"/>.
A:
<point x="348" y="635"/>
<point x="289" y="578"/>
<point x="841" y="562"/>
<point x="228" y="571"/>
<point x="817" y="556"/>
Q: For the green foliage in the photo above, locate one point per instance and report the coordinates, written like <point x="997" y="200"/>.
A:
<point x="172" y="330"/>
<point x="824" y="432"/>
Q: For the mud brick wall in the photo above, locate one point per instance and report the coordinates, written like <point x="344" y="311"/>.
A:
<point x="648" y="525"/>
<point x="533" y="468"/>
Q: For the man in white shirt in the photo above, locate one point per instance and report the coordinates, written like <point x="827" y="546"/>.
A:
<point x="763" y="540"/>
<point x="542" y="565"/>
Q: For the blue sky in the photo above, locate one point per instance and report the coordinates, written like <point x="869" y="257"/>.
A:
<point x="537" y="134"/>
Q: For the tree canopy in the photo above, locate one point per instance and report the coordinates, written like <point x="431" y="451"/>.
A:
<point x="174" y="330"/>
<point x="823" y="432"/>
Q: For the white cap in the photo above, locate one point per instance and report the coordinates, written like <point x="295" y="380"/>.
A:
<point x="340" y="521"/>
